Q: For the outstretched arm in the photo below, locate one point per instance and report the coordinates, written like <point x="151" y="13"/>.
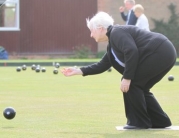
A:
<point x="93" y="69"/>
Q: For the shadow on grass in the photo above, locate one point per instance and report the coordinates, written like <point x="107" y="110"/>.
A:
<point x="127" y="134"/>
<point x="8" y="127"/>
<point x="144" y="134"/>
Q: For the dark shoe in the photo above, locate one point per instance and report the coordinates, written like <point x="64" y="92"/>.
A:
<point x="158" y="127"/>
<point x="132" y="127"/>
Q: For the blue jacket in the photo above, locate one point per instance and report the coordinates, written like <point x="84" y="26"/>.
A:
<point x="132" y="18"/>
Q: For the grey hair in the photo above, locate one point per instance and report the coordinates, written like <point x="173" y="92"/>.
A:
<point x="101" y="19"/>
<point x="130" y="1"/>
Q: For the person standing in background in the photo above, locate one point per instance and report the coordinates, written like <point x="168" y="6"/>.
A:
<point x="130" y="17"/>
<point x="142" y="21"/>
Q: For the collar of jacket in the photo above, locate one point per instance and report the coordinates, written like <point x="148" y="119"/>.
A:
<point x="109" y="30"/>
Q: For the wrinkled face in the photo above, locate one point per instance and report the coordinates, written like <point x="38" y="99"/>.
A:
<point x="128" y="5"/>
<point x="98" y="34"/>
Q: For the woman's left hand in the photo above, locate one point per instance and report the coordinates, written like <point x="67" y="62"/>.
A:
<point x="125" y="84"/>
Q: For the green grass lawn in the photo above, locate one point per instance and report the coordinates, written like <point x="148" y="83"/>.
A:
<point x="54" y="106"/>
<point x="50" y="60"/>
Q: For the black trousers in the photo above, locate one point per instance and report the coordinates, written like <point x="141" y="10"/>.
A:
<point x="141" y="107"/>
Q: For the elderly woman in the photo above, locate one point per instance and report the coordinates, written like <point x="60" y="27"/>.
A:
<point x="143" y="58"/>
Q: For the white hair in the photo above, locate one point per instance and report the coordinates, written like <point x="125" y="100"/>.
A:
<point x="101" y="19"/>
<point x="130" y="1"/>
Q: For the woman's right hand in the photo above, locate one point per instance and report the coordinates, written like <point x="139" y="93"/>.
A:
<point x="70" y="71"/>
